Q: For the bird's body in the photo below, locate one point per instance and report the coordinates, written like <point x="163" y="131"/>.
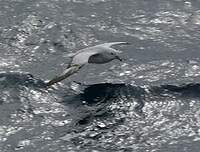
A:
<point x="83" y="56"/>
<point x="98" y="54"/>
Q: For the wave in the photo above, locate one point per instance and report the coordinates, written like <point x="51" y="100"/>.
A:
<point x="103" y="91"/>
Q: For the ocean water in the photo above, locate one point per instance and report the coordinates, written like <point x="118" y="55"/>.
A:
<point x="150" y="102"/>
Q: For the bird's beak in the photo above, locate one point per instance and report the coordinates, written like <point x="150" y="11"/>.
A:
<point x="118" y="58"/>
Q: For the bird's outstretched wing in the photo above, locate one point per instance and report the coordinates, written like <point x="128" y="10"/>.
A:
<point x="64" y="75"/>
<point x="97" y="47"/>
<point x="113" y="43"/>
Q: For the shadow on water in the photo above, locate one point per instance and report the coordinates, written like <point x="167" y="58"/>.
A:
<point x="94" y="100"/>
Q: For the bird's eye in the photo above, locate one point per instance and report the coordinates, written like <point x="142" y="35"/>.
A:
<point x="112" y="53"/>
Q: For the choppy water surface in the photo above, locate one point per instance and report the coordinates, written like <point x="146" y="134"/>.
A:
<point x="150" y="102"/>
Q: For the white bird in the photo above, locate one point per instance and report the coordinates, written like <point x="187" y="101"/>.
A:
<point x="98" y="54"/>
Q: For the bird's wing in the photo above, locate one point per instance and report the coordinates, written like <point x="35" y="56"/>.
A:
<point x="98" y="47"/>
<point x="105" y="47"/>
<point x="68" y="72"/>
<point x="108" y="45"/>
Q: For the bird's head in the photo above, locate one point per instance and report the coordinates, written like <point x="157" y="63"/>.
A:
<point x="113" y="55"/>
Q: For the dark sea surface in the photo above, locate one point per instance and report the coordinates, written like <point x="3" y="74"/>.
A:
<point x="150" y="102"/>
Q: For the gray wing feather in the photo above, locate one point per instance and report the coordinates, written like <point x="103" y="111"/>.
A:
<point x="113" y="43"/>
